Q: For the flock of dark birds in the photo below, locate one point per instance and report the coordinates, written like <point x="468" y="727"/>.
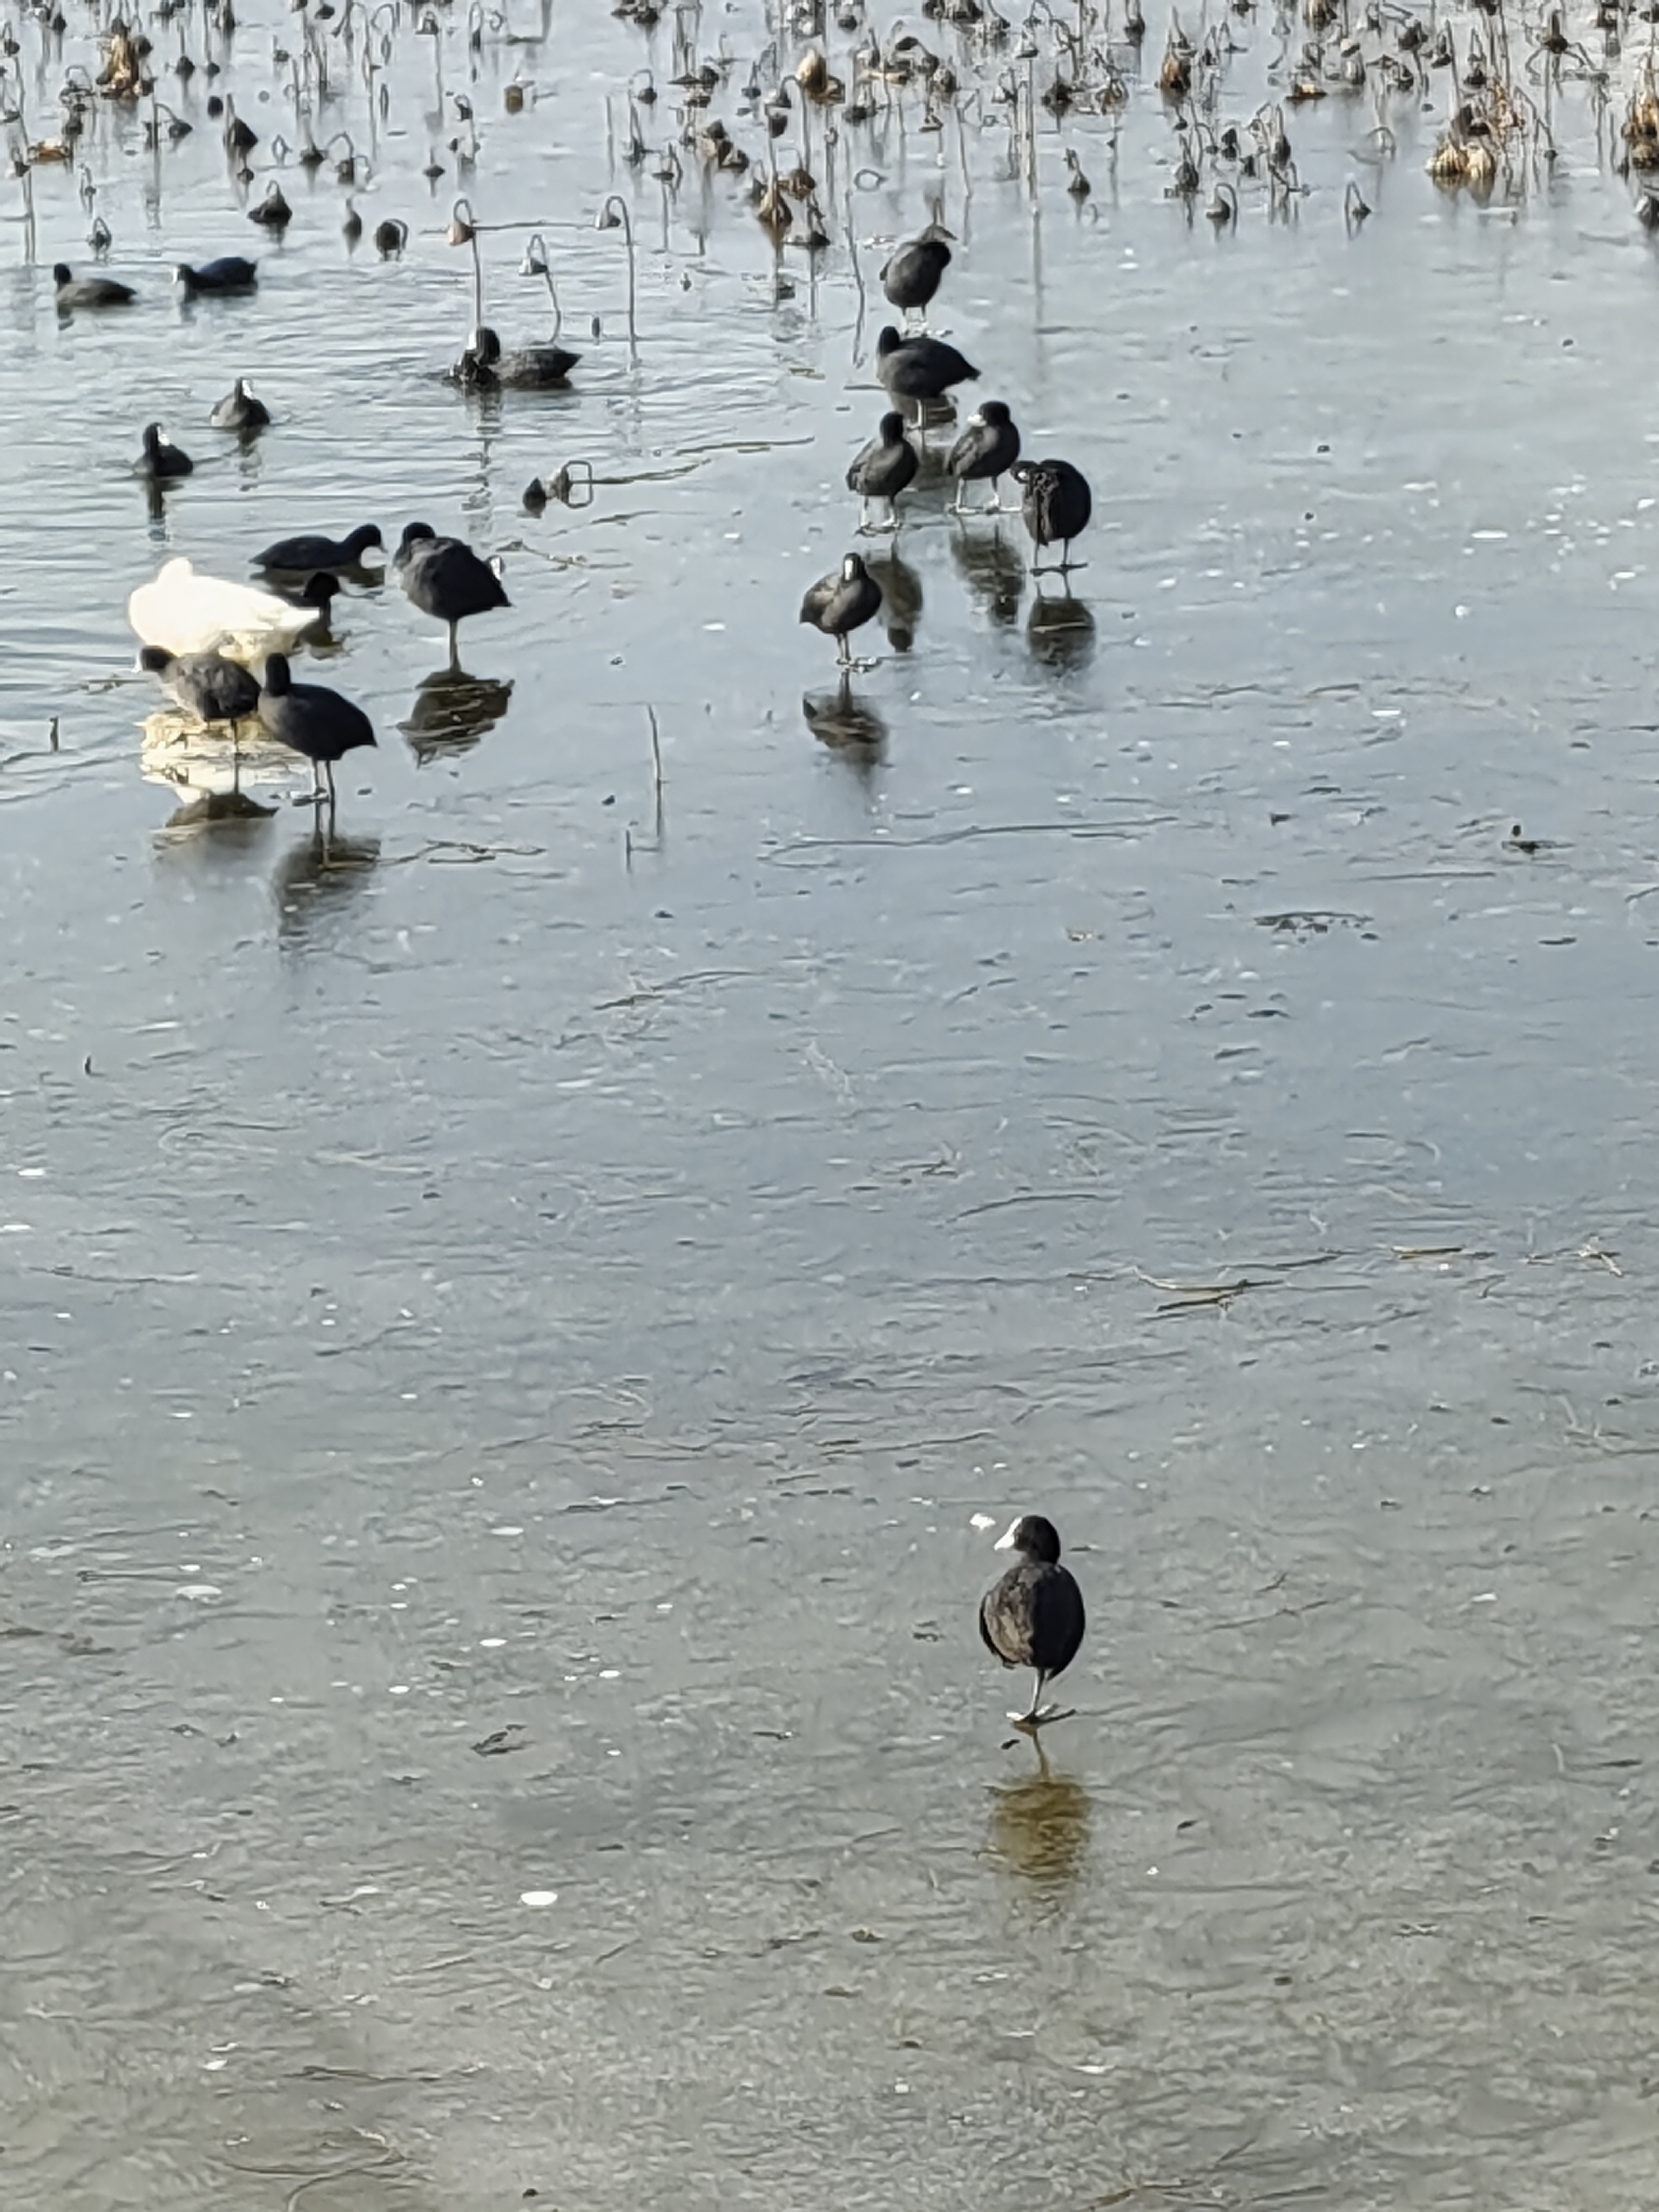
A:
<point x="919" y="370"/>
<point x="200" y="634"/>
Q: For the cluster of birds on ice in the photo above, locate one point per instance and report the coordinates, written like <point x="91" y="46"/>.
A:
<point x="203" y="635"/>
<point x="918" y="369"/>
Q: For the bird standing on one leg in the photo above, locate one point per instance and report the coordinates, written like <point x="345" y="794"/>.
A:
<point x="1057" y="504"/>
<point x="1034" y="1617"/>
<point x="445" y="578"/>
<point x="842" y="602"/>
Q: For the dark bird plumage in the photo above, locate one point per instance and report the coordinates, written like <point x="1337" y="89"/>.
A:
<point x="205" y="684"/>
<point x="1056" y="504"/>
<point x="161" y="460"/>
<point x="1034" y="1616"/>
<point x="484" y="365"/>
<point x="310" y="719"/>
<point x="885" y="467"/>
<point x="73" y="291"/>
<point x="912" y="275"/>
<point x="842" y="602"/>
<point x="240" y="409"/>
<point x="445" y="578"/>
<point x="310" y="552"/>
<point x="986" y="451"/>
<point x="273" y="211"/>
<point x="919" y="369"/>
<point x="231" y="272"/>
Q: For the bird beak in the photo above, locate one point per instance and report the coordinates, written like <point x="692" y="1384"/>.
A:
<point x="1006" y="1543"/>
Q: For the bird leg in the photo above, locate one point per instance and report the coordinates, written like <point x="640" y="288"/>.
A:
<point x="844" y="653"/>
<point x="1031" y="1711"/>
<point x="1037" y="1714"/>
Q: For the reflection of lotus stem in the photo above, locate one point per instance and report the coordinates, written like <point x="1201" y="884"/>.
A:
<point x="611" y="214"/>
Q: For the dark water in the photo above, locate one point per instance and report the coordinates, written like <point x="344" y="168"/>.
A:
<point x="515" y="1309"/>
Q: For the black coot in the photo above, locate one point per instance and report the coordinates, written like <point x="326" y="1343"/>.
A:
<point x="73" y="291"/>
<point x="884" y="468"/>
<point x="312" y="719"/>
<point x="484" y="367"/>
<point x="1034" y="1616"/>
<point x="161" y="459"/>
<point x="1056" y="506"/>
<point x="273" y="211"/>
<point x="242" y="408"/>
<point x="319" y="590"/>
<point x="231" y="272"/>
<point x="445" y="578"/>
<point x="205" y="685"/>
<point x="842" y="602"/>
<point x="986" y="451"/>
<point x="310" y="553"/>
<point x="912" y="275"/>
<point x="919" y="368"/>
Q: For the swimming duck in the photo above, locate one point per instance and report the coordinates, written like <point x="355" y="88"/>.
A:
<point x="73" y="291"/>
<point x="310" y="552"/>
<point x="231" y="272"/>
<point x="161" y="460"/>
<point x="241" y="410"/>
